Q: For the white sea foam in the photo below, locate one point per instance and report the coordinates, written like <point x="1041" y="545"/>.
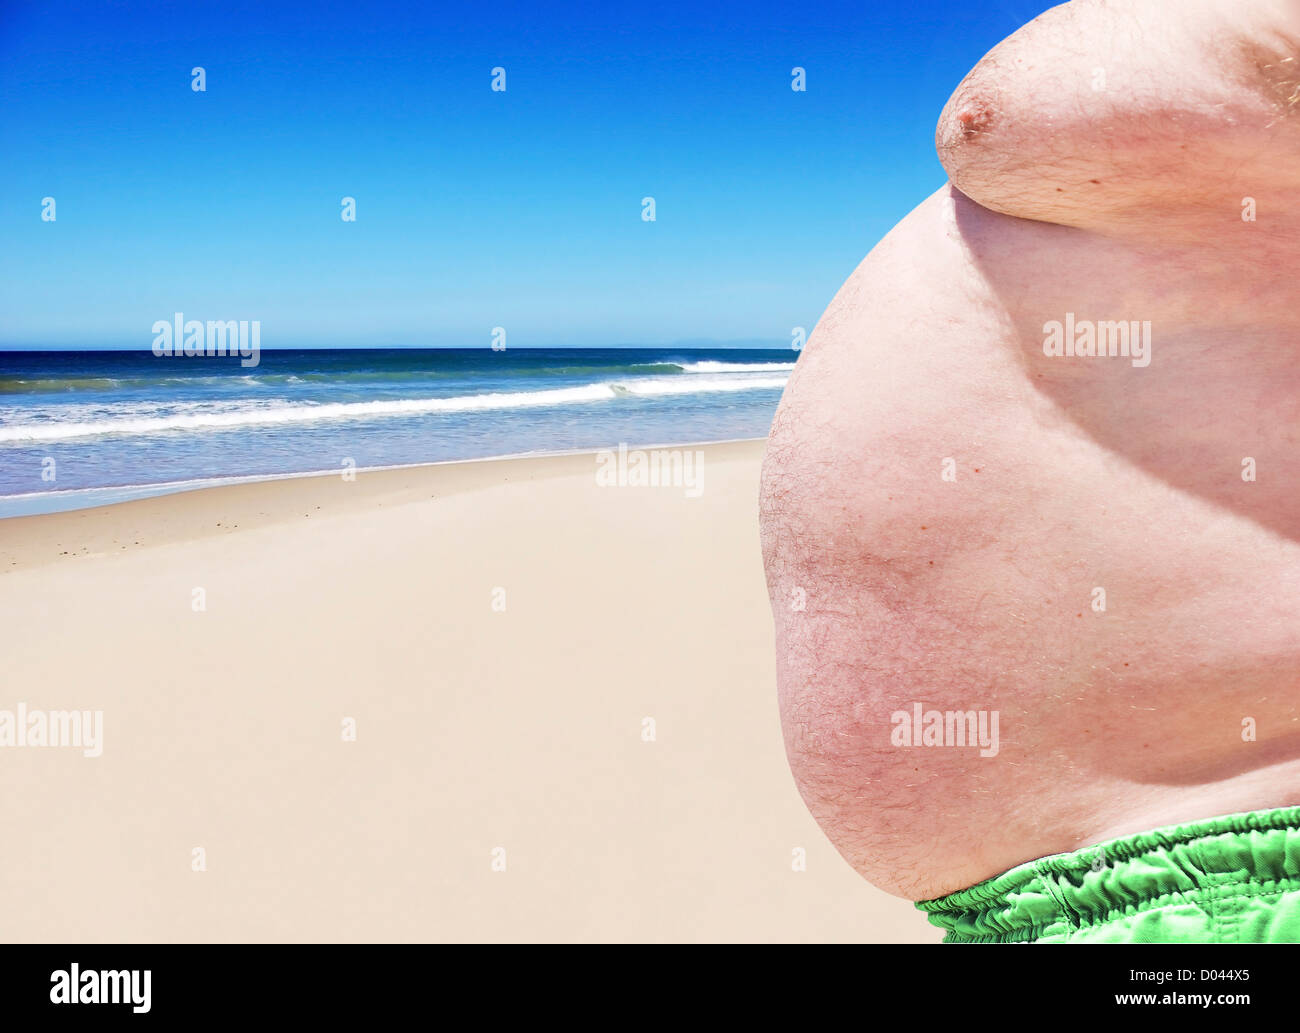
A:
<point x="246" y="415"/>
<point x="697" y="385"/>
<point x="736" y="367"/>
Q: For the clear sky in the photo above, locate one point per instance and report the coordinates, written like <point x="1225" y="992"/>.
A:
<point x="474" y="208"/>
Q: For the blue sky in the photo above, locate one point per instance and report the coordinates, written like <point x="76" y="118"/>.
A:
<point x="475" y="208"/>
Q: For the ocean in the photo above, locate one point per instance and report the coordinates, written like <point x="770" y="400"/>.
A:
<point x="90" y="427"/>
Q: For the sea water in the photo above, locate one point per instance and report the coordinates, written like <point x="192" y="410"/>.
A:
<point x="81" y="428"/>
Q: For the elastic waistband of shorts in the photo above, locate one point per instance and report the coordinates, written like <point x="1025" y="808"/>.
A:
<point x="1097" y="884"/>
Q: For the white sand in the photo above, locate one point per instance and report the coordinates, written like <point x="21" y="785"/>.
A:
<point x="476" y="729"/>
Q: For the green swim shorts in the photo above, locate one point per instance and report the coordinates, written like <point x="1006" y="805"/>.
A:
<point x="1234" y="879"/>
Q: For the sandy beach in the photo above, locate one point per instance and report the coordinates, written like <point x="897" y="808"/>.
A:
<point x="497" y="632"/>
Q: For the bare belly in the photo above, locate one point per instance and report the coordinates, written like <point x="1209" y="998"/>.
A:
<point x="1095" y="557"/>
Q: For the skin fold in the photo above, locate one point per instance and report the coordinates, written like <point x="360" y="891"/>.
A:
<point x="898" y="578"/>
